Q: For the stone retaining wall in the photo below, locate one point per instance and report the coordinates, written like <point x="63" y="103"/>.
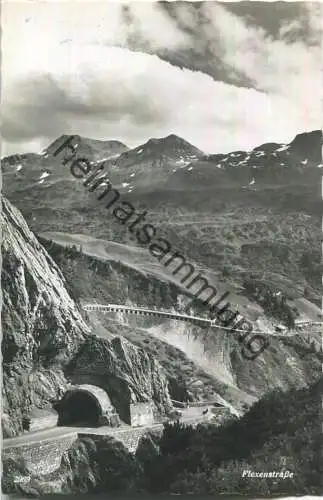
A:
<point x="41" y="458"/>
<point x="129" y="438"/>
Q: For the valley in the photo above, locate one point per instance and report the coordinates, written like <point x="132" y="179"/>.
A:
<point x="247" y="221"/>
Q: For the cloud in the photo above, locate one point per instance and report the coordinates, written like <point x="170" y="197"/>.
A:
<point x="150" y="23"/>
<point x="117" y="90"/>
<point x="285" y="64"/>
<point x="77" y="82"/>
<point x="289" y="69"/>
<point x="307" y="26"/>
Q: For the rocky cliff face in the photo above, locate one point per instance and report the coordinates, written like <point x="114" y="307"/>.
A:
<point x="42" y="327"/>
<point x="88" y="466"/>
<point x="127" y="373"/>
<point x="44" y="335"/>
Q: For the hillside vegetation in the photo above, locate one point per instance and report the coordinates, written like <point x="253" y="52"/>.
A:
<point x="211" y="357"/>
<point x="282" y="431"/>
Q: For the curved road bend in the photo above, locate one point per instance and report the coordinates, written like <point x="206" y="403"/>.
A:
<point x="189" y="416"/>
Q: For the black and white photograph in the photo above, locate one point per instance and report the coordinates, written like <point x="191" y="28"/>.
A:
<point x="161" y="249"/>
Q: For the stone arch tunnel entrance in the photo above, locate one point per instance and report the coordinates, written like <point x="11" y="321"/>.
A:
<point x="86" y="405"/>
<point x="80" y="408"/>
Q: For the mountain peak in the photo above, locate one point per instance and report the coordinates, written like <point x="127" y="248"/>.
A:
<point x="173" y="144"/>
<point x="174" y="137"/>
<point x="91" y="148"/>
<point x="308" y="145"/>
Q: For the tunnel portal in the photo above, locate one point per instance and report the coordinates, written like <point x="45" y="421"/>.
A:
<point x="84" y="405"/>
<point x="80" y="408"/>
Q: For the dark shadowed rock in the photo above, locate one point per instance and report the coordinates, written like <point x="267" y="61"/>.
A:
<point x="308" y="145"/>
<point x="126" y="372"/>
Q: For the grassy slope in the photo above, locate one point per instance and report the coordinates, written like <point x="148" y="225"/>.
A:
<point x="216" y="354"/>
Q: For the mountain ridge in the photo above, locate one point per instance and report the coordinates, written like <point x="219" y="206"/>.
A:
<point x="198" y="205"/>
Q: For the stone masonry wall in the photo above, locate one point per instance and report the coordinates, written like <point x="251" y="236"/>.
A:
<point x="129" y="438"/>
<point x="141" y="414"/>
<point x="41" y="458"/>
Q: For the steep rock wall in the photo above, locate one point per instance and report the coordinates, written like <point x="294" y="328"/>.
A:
<point x="126" y="372"/>
<point x="44" y="335"/>
<point x="42" y="327"/>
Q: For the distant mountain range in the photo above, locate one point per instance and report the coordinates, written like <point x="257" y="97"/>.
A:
<point x="173" y="162"/>
<point x="211" y="206"/>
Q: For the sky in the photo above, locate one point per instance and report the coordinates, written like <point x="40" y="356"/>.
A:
<point x="223" y="76"/>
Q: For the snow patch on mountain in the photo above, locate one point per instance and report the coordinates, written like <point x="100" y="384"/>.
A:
<point x="44" y="175"/>
<point x="284" y="147"/>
